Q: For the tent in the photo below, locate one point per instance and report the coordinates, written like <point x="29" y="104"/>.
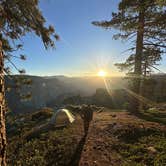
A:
<point x="62" y="117"/>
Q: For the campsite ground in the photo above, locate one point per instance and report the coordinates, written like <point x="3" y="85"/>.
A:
<point x="119" y="138"/>
<point x="114" y="138"/>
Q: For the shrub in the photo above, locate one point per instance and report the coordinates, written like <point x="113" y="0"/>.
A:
<point x="42" y="114"/>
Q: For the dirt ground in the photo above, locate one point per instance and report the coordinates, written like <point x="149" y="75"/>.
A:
<point x="105" y="131"/>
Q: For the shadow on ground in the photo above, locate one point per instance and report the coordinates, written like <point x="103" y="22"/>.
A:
<point x="77" y="155"/>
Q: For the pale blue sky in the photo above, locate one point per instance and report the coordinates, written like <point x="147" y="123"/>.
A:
<point x="83" y="49"/>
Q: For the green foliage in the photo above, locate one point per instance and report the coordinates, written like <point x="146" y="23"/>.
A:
<point x="17" y="19"/>
<point x="151" y="56"/>
<point x="53" y="147"/>
<point x="138" y="151"/>
<point x="154" y="116"/>
<point x="20" y="17"/>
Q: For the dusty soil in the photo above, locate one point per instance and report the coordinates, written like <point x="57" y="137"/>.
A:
<point x="107" y="130"/>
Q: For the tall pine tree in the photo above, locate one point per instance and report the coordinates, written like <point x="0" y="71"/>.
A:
<point x="18" y="17"/>
<point x="143" y="22"/>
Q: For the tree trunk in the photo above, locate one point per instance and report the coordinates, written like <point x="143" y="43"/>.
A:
<point x="2" y="111"/>
<point x="138" y="62"/>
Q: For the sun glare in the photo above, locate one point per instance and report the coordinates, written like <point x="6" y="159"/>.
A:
<point x="102" y="73"/>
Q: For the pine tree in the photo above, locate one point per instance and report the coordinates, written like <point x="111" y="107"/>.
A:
<point x="150" y="60"/>
<point x="142" y="22"/>
<point x="17" y="18"/>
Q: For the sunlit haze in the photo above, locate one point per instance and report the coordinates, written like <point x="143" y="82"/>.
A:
<point x="102" y="73"/>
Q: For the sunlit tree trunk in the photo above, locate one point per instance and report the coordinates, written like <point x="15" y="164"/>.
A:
<point x="138" y="61"/>
<point x="2" y="111"/>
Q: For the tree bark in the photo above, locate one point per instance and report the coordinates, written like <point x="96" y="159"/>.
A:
<point x="2" y="111"/>
<point x="135" y="105"/>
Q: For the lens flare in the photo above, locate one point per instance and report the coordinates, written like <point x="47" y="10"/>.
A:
<point x="135" y="95"/>
<point x="102" y="73"/>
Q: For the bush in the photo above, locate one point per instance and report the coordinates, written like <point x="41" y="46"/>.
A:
<point x="42" y="114"/>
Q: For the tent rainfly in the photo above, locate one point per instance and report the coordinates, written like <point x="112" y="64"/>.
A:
<point x="62" y="117"/>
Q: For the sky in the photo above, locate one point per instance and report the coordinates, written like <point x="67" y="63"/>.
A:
<point x="83" y="49"/>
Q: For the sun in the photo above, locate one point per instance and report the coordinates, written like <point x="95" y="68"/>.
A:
<point x="102" y="73"/>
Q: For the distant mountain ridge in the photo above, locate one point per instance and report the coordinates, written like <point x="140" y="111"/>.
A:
<point x="50" y="89"/>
